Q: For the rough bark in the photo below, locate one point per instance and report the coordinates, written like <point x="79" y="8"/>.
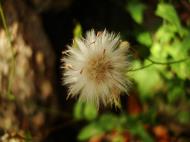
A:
<point x="26" y="66"/>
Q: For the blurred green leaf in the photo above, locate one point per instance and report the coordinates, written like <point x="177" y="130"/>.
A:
<point x="139" y="130"/>
<point x="185" y="45"/>
<point x="157" y="51"/>
<point x="167" y="44"/>
<point x="85" y="111"/>
<point x="118" y="138"/>
<point x="78" y="110"/>
<point x="136" y="10"/>
<point x="77" y="32"/>
<point x="92" y="129"/>
<point x="174" y="49"/>
<point x="165" y="33"/>
<point x="145" y="39"/>
<point x="90" y="111"/>
<point x="147" y="79"/>
<point x="175" y="93"/>
<point x="10" y="96"/>
<point x="109" y="122"/>
<point x="148" y="117"/>
<point x="184" y="117"/>
<point x="182" y="69"/>
<point x="168" y="13"/>
<point x="28" y="136"/>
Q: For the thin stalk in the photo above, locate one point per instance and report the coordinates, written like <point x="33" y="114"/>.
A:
<point x="140" y="68"/>
<point x="166" y="63"/>
<point x="5" y="25"/>
<point x="157" y="63"/>
<point x="12" y="67"/>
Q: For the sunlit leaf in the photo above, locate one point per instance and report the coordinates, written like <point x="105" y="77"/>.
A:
<point x="165" y="33"/>
<point x="145" y="39"/>
<point x="136" y="10"/>
<point x="168" y="13"/>
<point x="85" y="111"/>
<point x="78" y="110"/>
<point x="182" y="69"/>
<point x="77" y="32"/>
<point x="185" y="45"/>
<point x="148" y="80"/>
<point x="89" y="131"/>
<point x="90" y="111"/>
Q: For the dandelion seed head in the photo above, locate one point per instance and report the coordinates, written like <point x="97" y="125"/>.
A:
<point x="95" y="68"/>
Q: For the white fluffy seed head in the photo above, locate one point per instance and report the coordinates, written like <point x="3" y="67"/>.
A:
<point x="95" y="68"/>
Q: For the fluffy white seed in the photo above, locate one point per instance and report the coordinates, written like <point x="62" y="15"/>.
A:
<point x="95" y="68"/>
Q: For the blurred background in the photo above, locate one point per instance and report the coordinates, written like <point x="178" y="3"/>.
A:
<point x="33" y="105"/>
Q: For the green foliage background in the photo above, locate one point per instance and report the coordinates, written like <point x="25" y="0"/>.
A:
<point x="162" y="83"/>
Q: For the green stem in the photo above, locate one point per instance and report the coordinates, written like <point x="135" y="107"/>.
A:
<point x="157" y="63"/>
<point x="140" y="68"/>
<point x="10" y="45"/>
<point x="167" y="63"/>
<point x="5" y="25"/>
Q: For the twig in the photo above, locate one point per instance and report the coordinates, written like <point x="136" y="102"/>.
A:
<point x="167" y="63"/>
<point x="157" y="63"/>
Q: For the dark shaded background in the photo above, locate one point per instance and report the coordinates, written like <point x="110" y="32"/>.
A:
<point x="59" y="25"/>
